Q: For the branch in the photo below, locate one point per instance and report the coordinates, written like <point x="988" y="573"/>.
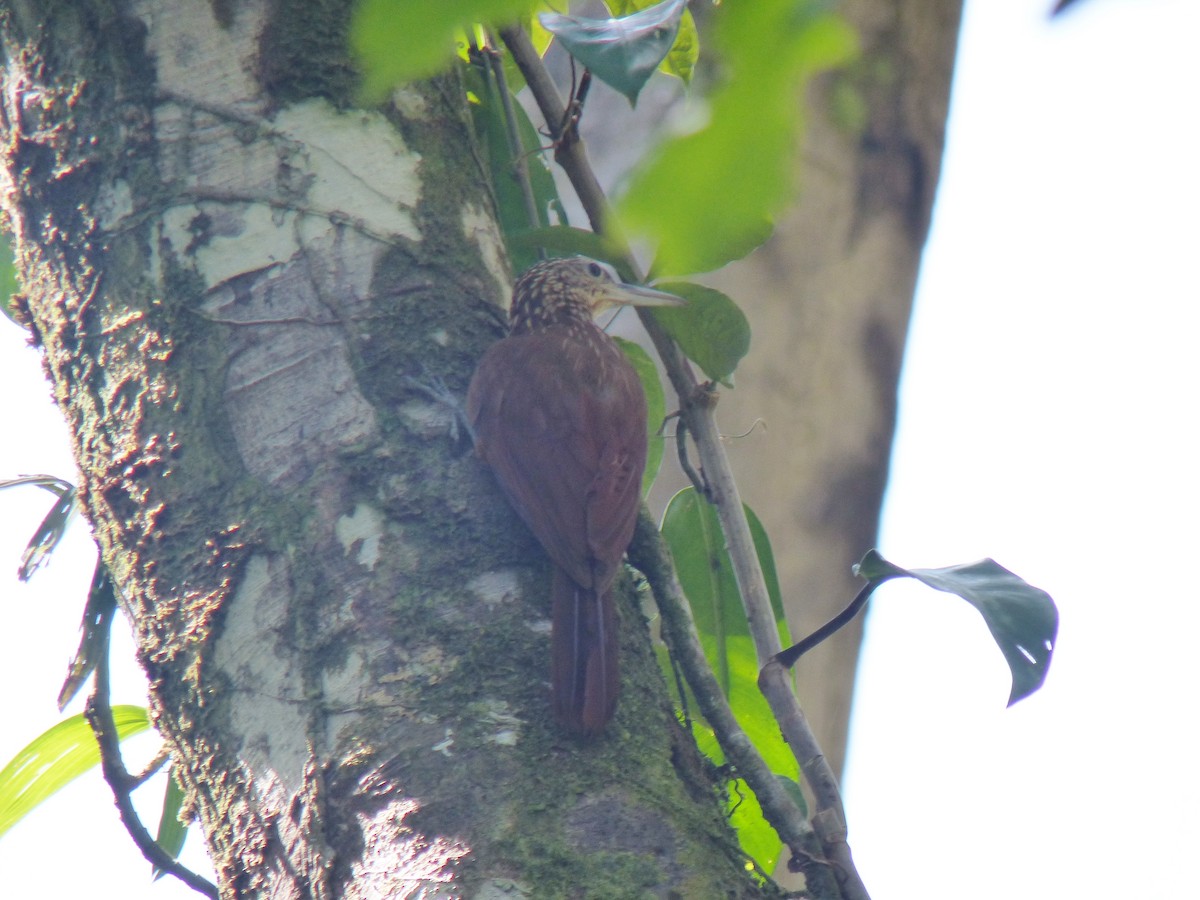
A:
<point x="697" y="411"/>
<point x="649" y="554"/>
<point x="99" y="715"/>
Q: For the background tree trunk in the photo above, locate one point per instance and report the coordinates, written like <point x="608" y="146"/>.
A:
<point x="833" y="289"/>
<point x="230" y="271"/>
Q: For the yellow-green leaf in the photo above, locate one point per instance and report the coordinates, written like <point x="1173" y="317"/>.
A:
<point x="691" y="529"/>
<point x="55" y="758"/>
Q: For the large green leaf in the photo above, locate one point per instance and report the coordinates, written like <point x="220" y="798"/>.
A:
<point x="622" y="52"/>
<point x="709" y="197"/>
<point x="400" y="40"/>
<point x="656" y="407"/>
<point x="56" y="757"/>
<point x="711" y="329"/>
<point x="693" y="533"/>
<point x="1023" y="619"/>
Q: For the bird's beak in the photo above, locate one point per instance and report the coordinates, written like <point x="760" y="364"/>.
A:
<point x="624" y="294"/>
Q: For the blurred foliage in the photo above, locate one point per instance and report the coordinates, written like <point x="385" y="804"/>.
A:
<point x="93" y="634"/>
<point x="706" y="197"/>
<point x="172" y="833"/>
<point x="709" y="197"/>
<point x="508" y="170"/>
<point x="398" y="40"/>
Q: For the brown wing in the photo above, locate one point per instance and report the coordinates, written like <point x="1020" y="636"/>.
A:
<point x="567" y="443"/>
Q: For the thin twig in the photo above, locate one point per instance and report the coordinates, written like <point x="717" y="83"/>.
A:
<point x="152" y="768"/>
<point x="681" y="453"/>
<point x="99" y="715"/>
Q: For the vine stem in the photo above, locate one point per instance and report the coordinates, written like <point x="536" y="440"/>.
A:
<point x="520" y="165"/>
<point x="698" y="404"/>
<point x="99" y="715"/>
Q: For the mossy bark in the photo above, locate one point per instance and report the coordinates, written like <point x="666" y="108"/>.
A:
<point x="231" y="270"/>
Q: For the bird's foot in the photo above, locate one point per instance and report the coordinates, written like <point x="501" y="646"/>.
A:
<point x="447" y="412"/>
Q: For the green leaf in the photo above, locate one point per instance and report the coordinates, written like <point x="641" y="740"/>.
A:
<point x="563" y="240"/>
<point x="397" y="41"/>
<point x="52" y="527"/>
<point x="693" y="533"/>
<point x="171" y="832"/>
<point x="1023" y="619"/>
<point x="8" y="277"/>
<point x="755" y="835"/>
<point x="685" y="52"/>
<point x="795" y="792"/>
<point x="711" y="329"/>
<point x="101" y="601"/>
<point x="622" y="52"/>
<point x="681" y="61"/>
<point x="709" y="197"/>
<point x="490" y="125"/>
<point x="56" y="757"/>
<point x="656" y="407"/>
<point x="538" y="36"/>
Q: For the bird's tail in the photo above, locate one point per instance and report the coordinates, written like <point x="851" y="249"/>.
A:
<point x="584" y="674"/>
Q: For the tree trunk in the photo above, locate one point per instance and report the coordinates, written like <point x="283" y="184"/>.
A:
<point x="230" y="271"/>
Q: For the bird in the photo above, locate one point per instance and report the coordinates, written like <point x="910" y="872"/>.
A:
<point x="558" y="413"/>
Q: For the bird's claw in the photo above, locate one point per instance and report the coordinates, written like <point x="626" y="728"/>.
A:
<point x="436" y="390"/>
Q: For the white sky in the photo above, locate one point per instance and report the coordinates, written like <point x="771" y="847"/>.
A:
<point x="1046" y="421"/>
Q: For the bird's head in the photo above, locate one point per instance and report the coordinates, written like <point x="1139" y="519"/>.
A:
<point x="574" y="289"/>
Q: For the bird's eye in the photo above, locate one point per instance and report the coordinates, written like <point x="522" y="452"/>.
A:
<point x="595" y="270"/>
